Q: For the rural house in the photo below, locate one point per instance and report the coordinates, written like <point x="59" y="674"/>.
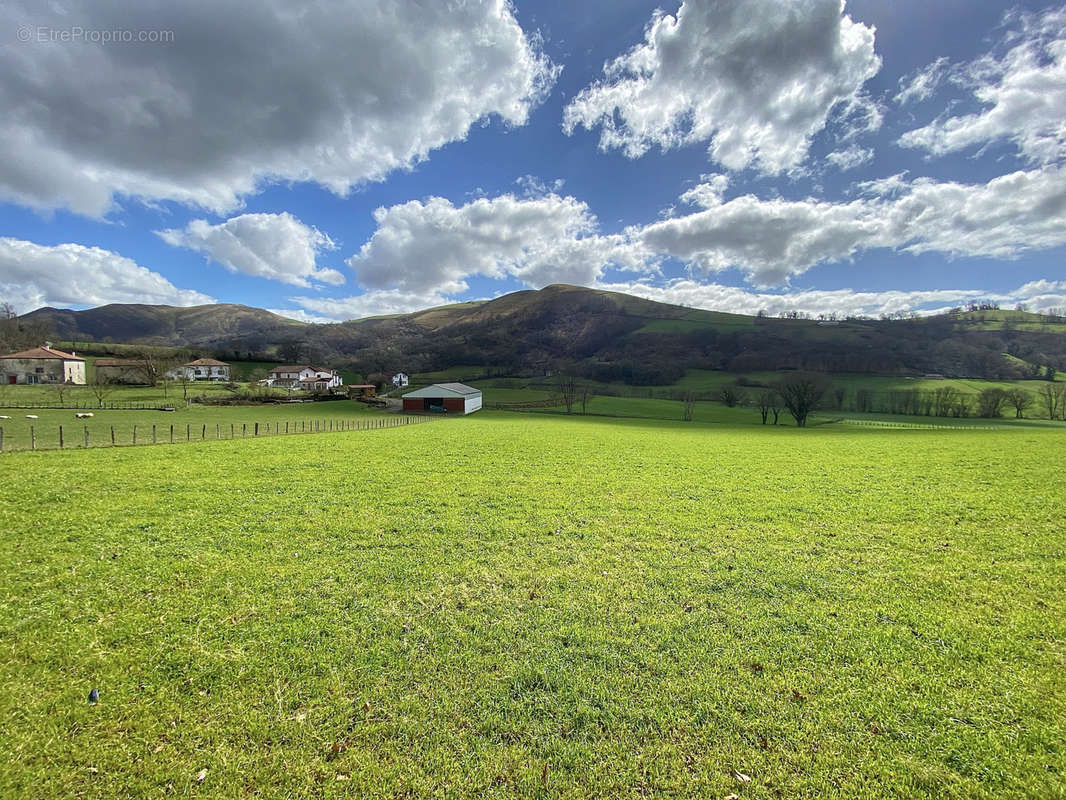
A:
<point x="302" y="376"/>
<point x="400" y="380"/>
<point x="319" y="383"/>
<point x="42" y="364"/>
<point x="444" y="397"/>
<point x="203" y="369"/>
<point x="120" y="370"/>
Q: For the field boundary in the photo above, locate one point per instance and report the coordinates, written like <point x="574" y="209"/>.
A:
<point x="876" y="423"/>
<point x="78" y="437"/>
<point x="129" y="405"/>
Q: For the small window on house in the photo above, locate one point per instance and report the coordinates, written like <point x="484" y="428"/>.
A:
<point x="39" y="370"/>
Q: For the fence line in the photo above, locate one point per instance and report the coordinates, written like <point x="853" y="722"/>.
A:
<point x="874" y="423"/>
<point x="106" y="437"/>
<point x="127" y="405"/>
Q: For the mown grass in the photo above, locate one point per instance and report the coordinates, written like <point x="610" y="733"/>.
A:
<point x="190" y="419"/>
<point x="195" y="421"/>
<point x="538" y="606"/>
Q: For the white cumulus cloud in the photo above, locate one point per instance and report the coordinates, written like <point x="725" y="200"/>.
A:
<point x="247" y="92"/>
<point x="756" y="80"/>
<point x="274" y="246"/>
<point x="1022" y="93"/>
<point x="64" y="275"/>
<point x="771" y="240"/>
<point x="434" y="246"/>
<point x="839" y="302"/>
<point x="376" y="302"/>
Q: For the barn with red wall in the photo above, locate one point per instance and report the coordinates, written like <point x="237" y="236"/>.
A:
<point x="450" y="398"/>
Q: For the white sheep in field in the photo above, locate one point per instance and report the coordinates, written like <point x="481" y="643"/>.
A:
<point x="31" y="416"/>
<point x="83" y="415"/>
<point x="4" y="416"/>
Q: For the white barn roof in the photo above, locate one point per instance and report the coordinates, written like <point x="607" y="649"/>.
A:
<point x="445" y="390"/>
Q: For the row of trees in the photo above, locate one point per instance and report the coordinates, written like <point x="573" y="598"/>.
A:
<point x="800" y="394"/>
<point x="946" y="401"/>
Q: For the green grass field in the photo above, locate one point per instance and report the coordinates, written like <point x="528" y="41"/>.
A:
<point x="538" y="606"/>
<point x="195" y="420"/>
<point x="190" y="419"/>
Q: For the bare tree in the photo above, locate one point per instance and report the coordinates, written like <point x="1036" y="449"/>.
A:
<point x="688" y="406"/>
<point x="183" y="378"/>
<point x="963" y="405"/>
<point x="1050" y="395"/>
<point x="768" y="401"/>
<point x="801" y="394"/>
<point x="101" y="387"/>
<point x="568" y="389"/>
<point x="990" y="402"/>
<point x="1020" y="400"/>
<point x="152" y="365"/>
<point x="59" y="390"/>
<point x="944" y="400"/>
<point x="586" y="395"/>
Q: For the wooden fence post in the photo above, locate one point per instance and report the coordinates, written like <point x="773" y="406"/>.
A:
<point x="86" y="437"/>
<point x="218" y="431"/>
<point x="256" y="429"/>
<point x="172" y="434"/>
<point x="186" y="431"/>
<point x="60" y="437"/>
<point x="203" y="433"/>
<point x="153" y="434"/>
<point x="231" y="430"/>
<point x="112" y="435"/>
<point x="135" y="434"/>
<point x="1" y="438"/>
<point x="244" y="429"/>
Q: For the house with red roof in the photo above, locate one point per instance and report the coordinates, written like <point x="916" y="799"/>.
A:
<point x="42" y="364"/>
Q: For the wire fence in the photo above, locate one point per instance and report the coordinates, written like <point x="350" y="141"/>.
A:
<point x="874" y="423"/>
<point x="126" y="405"/>
<point x="80" y="437"/>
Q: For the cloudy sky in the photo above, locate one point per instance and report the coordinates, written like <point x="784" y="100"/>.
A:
<point x="357" y="158"/>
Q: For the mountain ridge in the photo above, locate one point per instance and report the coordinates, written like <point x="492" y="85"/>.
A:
<point x="600" y="334"/>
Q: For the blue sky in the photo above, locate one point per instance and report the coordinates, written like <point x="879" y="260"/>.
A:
<point x="377" y="157"/>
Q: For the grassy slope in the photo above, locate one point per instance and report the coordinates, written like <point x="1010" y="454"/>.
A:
<point x="570" y="608"/>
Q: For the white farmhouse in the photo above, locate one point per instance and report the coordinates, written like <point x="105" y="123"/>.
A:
<point x="401" y="380"/>
<point x="202" y="369"/>
<point x="303" y="376"/>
